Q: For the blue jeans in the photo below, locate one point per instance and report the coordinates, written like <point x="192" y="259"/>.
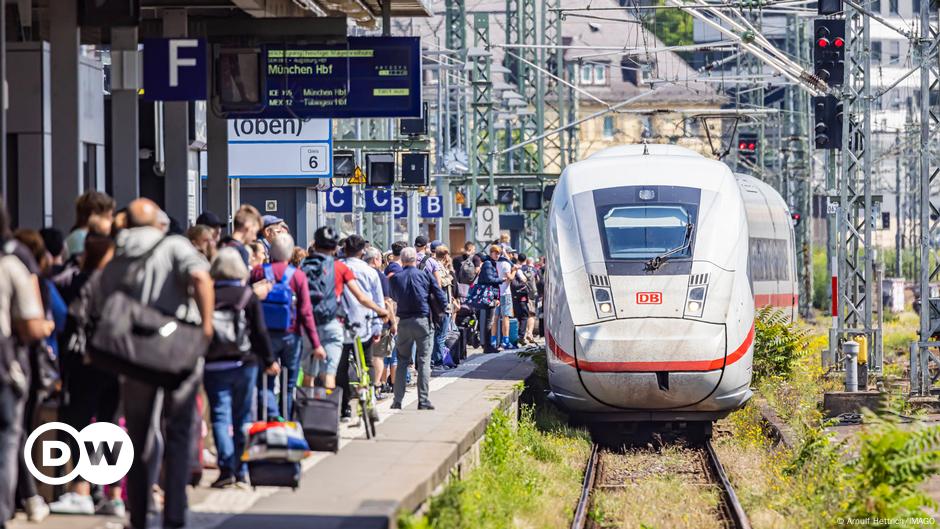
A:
<point x="286" y="349"/>
<point x="230" y="393"/>
<point x="440" y="335"/>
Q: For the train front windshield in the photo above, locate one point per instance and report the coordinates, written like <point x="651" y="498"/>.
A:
<point x="645" y="231"/>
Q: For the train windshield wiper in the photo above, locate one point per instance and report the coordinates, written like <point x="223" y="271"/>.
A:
<point x="653" y="264"/>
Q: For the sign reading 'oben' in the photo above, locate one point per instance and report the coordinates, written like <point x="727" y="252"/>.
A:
<point x="105" y="453"/>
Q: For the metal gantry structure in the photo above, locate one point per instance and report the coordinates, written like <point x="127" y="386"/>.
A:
<point x="854" y="257"/>
<point x="521" y="131"/>
<point x="925" y="358"/>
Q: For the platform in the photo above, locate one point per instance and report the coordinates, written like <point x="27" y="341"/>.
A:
<point x="368" y="482"/>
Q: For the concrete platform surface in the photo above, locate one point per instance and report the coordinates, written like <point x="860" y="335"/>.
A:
<point x="368" y="482"/>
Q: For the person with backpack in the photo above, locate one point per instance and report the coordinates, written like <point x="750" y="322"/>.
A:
<point x="239" y="344"/>
<point x="425" y="257"/>
<point x="171" y="278"/>
<point x="327" y="278"/>
<point x="532" y="280"/>
<point x="287" y="311"/>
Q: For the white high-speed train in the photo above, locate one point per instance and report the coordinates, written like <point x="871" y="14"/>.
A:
<point x="657" y="258"/>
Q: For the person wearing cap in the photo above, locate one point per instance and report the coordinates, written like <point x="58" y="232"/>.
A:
<point x="271" y="227"/>
<point x="208" y="218"/>
<point x="425" y="261"/>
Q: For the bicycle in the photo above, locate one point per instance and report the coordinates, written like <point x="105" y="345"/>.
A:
<point x="364" y="390"/>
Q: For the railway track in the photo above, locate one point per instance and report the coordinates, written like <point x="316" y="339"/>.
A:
<point x="610" y="470"/>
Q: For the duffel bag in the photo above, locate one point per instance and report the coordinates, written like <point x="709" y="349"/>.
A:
<point x="138" y="341"/>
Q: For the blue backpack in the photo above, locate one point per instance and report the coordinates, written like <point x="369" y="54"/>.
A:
<point x="279" y="305"/>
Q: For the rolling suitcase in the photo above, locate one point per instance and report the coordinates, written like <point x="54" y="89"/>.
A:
<point x="454" y="343"/>
<point x="272" y="453"/>
<point x="318" y="414"/>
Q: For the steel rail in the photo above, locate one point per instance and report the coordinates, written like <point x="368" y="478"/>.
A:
<point x="735" y="511"/>
<point x="579" y="521"/>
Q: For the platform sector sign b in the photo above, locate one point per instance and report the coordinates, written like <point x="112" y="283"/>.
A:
<point x="432" y="207"/>
<point x="487" y="223"/>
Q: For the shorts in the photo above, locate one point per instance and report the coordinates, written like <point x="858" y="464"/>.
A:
<point x="521" y="308"/>
<point x="505" y="305"/>
<point x="331" y="338"/>
<point x="392" y="359"/>
<point x="533" y="307"/>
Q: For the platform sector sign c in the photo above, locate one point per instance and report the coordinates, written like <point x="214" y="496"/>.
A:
<point x="280" y="148"/>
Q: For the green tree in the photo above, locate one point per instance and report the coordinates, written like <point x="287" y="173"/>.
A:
<point x="672" y="26"/>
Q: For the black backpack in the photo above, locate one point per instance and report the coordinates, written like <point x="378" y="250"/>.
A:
<point x="321" y="279"/>
<point x="230" y="340"/>
<point x="467" y="272"/>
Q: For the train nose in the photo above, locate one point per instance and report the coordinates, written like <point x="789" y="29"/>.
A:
<point x="650" y="363"/>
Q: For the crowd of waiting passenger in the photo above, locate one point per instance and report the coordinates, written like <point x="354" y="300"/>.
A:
<point x="261" y="308"/>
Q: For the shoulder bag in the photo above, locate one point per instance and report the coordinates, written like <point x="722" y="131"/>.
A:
<point x="138" y="341"/>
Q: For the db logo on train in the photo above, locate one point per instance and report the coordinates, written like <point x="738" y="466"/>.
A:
<point x="105" y="453"/>
<point x="649" y="298"/>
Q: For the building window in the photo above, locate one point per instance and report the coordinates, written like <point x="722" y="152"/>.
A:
<point x="893" y="6"/>
<point x="876" y="52"/>
<point x="894" y="54"/>
<point x="587" y="72"/>
<point x="608" y="127"/>
<point x="876" y="6"/>
<point x="630" y="70"/>
<point x="915" y="6"/>
<point x="600" y="74"/>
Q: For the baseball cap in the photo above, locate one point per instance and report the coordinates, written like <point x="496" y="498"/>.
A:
<point x="208" y="218"/>
<point x="268" y="220"/>
<point x="435" y="244"/>
<point x="421" y="240"/>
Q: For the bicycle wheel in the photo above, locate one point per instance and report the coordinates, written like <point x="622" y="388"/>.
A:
<point x="366" y="417"/>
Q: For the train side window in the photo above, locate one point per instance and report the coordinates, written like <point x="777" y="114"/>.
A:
<point x="768" y="260"/>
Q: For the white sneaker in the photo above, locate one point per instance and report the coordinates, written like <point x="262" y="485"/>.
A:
<point x="36" y="509"/>
<point x="113" y="507"/>
<point x="72" y="503"/>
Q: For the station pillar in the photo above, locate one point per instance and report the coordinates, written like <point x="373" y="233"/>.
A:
<point x="67" y="171"/>
<point x="218" y="192"/>
<point x="125" y="136"/>
<point x="179" y="182"/>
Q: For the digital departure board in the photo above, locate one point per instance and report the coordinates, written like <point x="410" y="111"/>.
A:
<point x="367" y="77"/>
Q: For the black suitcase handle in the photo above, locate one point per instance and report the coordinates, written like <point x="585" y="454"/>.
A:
<point x="282" y="376"/>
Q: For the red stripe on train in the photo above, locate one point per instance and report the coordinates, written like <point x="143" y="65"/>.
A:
<point x="775" y="300"/>
<point x="627" y="367"/>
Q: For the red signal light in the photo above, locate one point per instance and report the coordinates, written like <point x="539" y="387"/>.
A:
<point x="742" y="146"/>
<point x="822" y="42"/>
<point x="751" y="146"/>
<point x="838" y="42"/>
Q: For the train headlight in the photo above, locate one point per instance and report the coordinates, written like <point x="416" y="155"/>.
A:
<point x="695" y="301"/>
<point x="603" y="302"/>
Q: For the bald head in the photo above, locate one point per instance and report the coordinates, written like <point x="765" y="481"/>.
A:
<point x="143" y="212"/>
